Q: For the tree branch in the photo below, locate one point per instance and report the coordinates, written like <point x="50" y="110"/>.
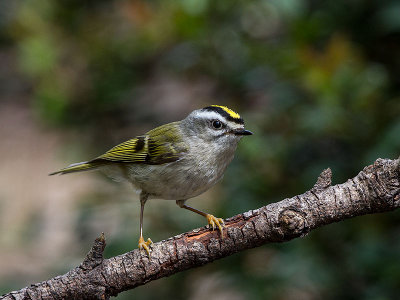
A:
<point x="375" y="189"/>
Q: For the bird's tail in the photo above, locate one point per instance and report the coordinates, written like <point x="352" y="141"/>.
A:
<point x="77" y="167"/>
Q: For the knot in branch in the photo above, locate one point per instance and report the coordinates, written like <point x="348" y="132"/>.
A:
<point x="292" y="222"/>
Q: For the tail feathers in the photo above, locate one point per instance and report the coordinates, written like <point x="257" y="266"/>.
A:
<point x="77" y="167"/>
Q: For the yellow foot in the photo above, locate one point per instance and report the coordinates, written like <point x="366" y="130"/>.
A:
<point x="213" y="221"/>
<point x="145" y="245"/>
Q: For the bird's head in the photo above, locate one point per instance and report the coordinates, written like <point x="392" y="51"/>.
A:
<point x="215" y="124"/>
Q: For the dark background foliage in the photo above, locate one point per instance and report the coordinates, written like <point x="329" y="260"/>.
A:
<point x="317" y="81"/>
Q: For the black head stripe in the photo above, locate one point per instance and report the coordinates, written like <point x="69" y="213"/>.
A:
<point x="223" y="113"/>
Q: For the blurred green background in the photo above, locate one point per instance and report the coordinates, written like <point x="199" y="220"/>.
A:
<point x="318" y="82"/>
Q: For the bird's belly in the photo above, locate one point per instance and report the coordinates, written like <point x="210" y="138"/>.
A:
<point x="175" y="181"/>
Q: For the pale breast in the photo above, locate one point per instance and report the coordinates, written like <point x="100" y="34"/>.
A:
<point x="183" y="179"/>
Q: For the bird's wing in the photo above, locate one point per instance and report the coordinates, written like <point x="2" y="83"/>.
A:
<point x="160" y="145"/>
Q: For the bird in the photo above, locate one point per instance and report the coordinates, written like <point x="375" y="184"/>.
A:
<point x="175" y="161"/>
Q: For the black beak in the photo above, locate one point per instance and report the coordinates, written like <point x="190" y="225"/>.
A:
<point x="242" y="132"/>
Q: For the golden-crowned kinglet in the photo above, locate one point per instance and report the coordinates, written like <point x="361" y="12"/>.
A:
<point x="175" y="161"/>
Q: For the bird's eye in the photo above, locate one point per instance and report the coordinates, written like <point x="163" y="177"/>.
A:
<point x="216" y="124"/>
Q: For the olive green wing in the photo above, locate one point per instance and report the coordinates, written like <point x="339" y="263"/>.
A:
<point x="130" y="151"/>
<point x="160" y="145"/>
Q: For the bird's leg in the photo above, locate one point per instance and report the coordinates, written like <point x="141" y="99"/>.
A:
<point x="142" y="244"/>
<point x="212" y="221"/>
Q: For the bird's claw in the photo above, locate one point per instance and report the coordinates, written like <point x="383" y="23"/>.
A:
<point x="145" y="245"/>
<point x="213" y="222"/>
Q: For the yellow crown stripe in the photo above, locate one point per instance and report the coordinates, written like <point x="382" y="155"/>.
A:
<point x="229" y="111"/>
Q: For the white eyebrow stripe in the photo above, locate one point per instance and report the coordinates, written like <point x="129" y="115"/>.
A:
<point x="211" y="115"/>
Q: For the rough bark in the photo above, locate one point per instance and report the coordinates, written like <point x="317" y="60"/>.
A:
<point x="375" y="189"/>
